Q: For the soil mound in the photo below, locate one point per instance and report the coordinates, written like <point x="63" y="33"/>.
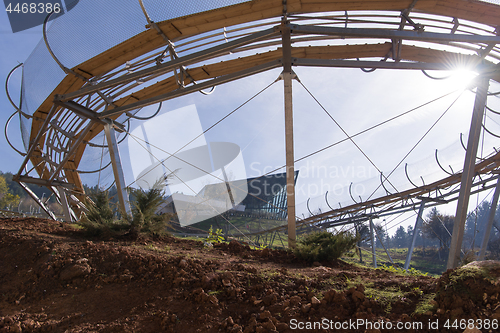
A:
<point x="54" y="279"/>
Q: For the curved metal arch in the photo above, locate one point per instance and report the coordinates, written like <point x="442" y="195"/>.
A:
<point x="145" y="12"/>
<point x="94" y="171"/>
<point x="145" y="118"/>
<point x="307" y="204"/>
<point x="18" y="109"/>
<point x="367" y="70"/>
<point x="437" y="160"/>
<point x="382" y="184"/>
<point x="112" y="184"/>
<point x="493" y="134"/>
<point x="209" y="92"/>
<point x="7" y="135"/>
<point x="433" y="77"/>
<point x="408" y="177"/>
<point x="490" y="109"/>
<point x="326" y="199"/>
<point x="462" y="142"/>
<point x="350" y="193"/>
<point x="463" y="145"/>
<point x="45" y="39"/>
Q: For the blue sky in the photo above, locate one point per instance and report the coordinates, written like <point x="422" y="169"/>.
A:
<point x="355" y="99"/>
<point x="14" y="49"/>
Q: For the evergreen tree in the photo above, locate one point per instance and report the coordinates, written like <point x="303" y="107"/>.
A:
<point x="439" y="226"/>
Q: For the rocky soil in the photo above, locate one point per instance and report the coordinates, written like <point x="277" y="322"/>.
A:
<point x="54" y="279"/>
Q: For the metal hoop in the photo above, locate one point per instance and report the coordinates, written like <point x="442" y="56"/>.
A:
<point x="45" y="39"/>
<point x="209" y="92"/>
<point x="437" y="160"/>
<point x="145" y="118"/>
<point x="7" y="135"/>
<point x="99" y="170"/>
<point x="435" y="78"/>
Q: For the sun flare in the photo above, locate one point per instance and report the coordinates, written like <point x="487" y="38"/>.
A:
<point x="461" y="78"/>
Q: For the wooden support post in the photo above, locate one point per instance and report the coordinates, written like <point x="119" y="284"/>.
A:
<point x="468" y="173"/>
<point x="288" y="75"/>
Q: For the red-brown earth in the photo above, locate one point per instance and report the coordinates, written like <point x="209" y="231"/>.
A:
<point x="55" y="279"/>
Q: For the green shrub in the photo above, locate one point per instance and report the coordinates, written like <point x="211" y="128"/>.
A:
<point x="100" y="217"/>
<point x="144" y="217"/>
<point x="324" y="246"/>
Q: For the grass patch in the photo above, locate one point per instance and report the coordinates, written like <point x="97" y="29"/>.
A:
<point x="423" y="261"/>
<point x="425" y="305"/>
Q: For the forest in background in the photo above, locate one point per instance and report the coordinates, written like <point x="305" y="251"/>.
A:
<point x="435" y="233"/>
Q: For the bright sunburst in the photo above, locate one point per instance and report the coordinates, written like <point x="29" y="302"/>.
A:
<point x="461" y="78"/>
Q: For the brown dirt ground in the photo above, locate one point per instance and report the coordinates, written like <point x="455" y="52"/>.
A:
<point x="54" y="279"/>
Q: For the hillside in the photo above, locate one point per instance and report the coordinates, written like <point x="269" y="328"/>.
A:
<point x="53" y="279"/>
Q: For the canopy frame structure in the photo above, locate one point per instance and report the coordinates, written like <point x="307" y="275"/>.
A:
<point x="101" y="93"/>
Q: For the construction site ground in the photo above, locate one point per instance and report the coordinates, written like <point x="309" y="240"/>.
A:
<point x="53" y="278"/>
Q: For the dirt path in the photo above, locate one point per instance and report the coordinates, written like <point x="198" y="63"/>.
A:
<point x="53" y="279"/>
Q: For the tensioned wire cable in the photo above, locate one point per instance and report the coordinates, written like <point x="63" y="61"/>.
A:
<point x="346" y="134"/>
<point x="418" y="142"/>
<point x="366" y="130"/>
<point x="327" y="147"/>
<point x="215" y="124"/>
<point x="171" y="172"/>
<point x="204" y="171"/>
<point x="162" y="161"/>
<point x="362" y="132"/>
<point x="349" y="138"/>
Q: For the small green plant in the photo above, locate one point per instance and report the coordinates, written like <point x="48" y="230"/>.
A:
<point x="100" y="217"/>
<point x="401" y="271"/>
<point x="145" y="205"/>
<point x="214" y="236"/>
<point x="418" y="291"/>
<point x="324" y="246"/>
<point x="425" y="305"/>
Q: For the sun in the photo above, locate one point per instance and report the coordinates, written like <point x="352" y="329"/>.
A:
<point x="461" y="78"/>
